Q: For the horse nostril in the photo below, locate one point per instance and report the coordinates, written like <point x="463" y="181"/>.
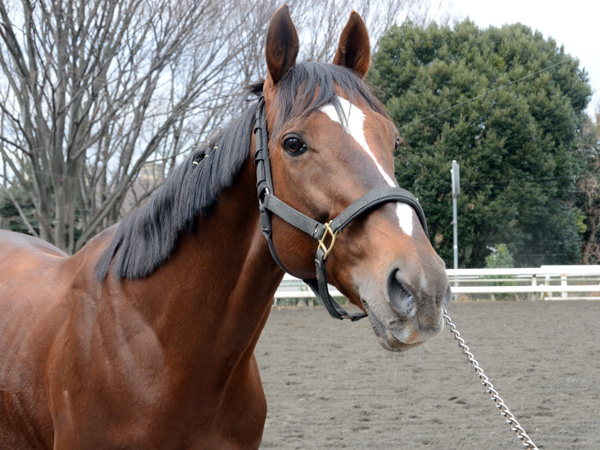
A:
<point x="401" y="300"/>
<point x="444" y="301"/>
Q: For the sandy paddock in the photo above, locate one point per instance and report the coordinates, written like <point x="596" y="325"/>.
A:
<point x="330" y="385"/>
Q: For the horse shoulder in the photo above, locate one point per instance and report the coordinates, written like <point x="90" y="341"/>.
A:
<point x="38" y="288"/>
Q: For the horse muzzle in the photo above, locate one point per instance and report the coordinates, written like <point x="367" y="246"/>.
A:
<point x="405" y="314"/>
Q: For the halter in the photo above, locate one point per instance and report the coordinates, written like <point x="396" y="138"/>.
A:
<point x="324" y="233"/>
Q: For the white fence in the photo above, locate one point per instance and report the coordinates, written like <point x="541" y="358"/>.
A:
<point x="546" y="282"/>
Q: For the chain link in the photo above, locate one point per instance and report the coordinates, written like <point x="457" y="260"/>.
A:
<point x="504" y="411"/>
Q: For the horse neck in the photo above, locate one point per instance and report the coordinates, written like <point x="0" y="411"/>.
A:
<point x="216" y="290"/>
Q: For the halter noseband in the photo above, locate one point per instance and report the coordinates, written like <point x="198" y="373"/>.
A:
<point x="324" y="233"/>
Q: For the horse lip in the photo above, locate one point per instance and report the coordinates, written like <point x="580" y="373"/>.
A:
<point x="385" y="335"/>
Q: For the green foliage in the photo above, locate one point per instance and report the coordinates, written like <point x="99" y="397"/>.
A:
<point x="9" y="215"/>
<point x="507" y="105"/>
<point x="500" y="258"/>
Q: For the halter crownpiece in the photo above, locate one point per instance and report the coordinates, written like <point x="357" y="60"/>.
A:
<point x="324" y="233"/>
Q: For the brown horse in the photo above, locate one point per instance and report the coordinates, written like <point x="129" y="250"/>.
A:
<point x="145" y="338"/>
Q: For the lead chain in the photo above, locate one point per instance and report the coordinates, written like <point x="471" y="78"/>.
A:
<point x="504" y="411"/>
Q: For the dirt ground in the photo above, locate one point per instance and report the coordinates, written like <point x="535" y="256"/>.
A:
<point x="330" y="385"/>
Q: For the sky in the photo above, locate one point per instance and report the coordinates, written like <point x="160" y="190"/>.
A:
<point x="572" y="23"/>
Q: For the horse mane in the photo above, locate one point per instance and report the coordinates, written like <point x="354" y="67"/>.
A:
<point x="146" y="237"/>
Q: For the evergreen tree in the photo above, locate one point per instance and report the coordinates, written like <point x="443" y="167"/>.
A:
<point x="507" y="104"/>
<point x="10" y="215"/>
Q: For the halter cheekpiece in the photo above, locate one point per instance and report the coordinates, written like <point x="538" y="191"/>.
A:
<point x="324" y="233"/>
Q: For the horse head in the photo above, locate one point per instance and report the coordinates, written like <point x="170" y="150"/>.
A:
<point x="330" y="143"/>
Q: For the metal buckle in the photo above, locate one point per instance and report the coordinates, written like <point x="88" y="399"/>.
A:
<point x="322" y="245"/>
<point x="263" y="194"/>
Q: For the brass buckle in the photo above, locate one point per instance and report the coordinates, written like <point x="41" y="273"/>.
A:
<point x="322" y="245"/>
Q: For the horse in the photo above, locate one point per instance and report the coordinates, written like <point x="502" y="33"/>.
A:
<point x="144" y="338"/>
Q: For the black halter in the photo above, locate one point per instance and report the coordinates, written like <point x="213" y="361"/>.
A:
<point x="324" y="233"/>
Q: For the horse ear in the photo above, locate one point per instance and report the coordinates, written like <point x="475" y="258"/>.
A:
<point x="282" y="44"/>
<point x="354" y="50"/>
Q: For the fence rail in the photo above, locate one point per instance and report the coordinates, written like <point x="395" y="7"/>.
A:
<point x="570" y="282"/>
<point x="545" y="283"/>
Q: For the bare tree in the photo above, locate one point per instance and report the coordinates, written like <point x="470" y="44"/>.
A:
<point x="98" y="94"/>
<point x="588" y="187"/>
<point x="93" y="89"/>
<point x="320" y="23"/>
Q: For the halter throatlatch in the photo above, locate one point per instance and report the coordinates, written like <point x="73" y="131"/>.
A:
<point x="324" y="233"/>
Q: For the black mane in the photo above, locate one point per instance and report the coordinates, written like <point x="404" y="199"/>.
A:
<point x="145" y="239"/>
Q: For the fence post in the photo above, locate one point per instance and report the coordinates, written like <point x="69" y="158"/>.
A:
<point x="455" y="174"/>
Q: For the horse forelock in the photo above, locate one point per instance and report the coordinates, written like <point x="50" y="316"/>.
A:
<point x="307" y="87"/>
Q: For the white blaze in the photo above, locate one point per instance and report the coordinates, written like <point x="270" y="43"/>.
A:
<point x="354" y="126"/>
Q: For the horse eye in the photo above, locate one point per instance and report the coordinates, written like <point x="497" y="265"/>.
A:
<point x="397" y="143"/>
<point x="294" y="146"/>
